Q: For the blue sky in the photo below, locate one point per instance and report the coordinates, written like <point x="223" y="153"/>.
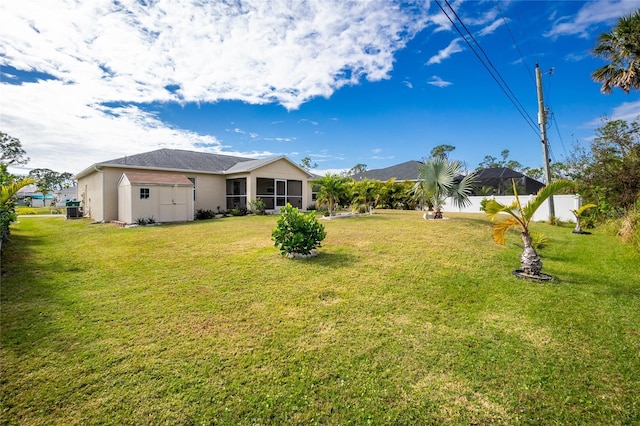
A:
<point x="376" y="82"/>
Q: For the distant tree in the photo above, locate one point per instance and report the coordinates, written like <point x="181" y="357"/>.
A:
<point x="442" y="151"/>
<point x="610" y="171"/>
<point x="621" y="47"/>
<point x="491" y="162"/>
<point x="49" y="181"/>
<point x="358" y="168"/>
<point x="306" y="164"/>
<point x="11" y="151"/>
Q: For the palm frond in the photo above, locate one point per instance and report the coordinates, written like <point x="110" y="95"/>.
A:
<point x="461" y="191"/>
<point x="501" y="228"/>
<point x="542" y="195"/>
<point x="9" y="190"/>
<point x="579" y="211"/>
<point x="492" y="208"/>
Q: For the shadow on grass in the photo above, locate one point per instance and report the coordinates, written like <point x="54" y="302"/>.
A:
<point x="334" y="260"/>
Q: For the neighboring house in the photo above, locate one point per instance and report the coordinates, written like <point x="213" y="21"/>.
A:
<point x="399" y="172"/>
<point x="496" y="179"/>
<point x="141" y="185"/>
<point x="499" y="179"/>
<point x="30" y="195"/>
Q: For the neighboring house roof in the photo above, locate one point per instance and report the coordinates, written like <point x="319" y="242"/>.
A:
<point x="185" y="161"/>
<point x="156" y="179"/>
<point x="498" y="172"/>
<point x="29" y="190"/>
<point x="403" y="171"/>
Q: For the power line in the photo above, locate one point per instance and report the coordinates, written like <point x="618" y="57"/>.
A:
<point x="499" y="80"/>
<point x="515" y="43"/>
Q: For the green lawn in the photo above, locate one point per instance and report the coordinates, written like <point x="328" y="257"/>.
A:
<point x="397" y="321"/>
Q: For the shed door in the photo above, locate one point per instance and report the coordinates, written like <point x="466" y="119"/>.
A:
<point x="174" y="204"/>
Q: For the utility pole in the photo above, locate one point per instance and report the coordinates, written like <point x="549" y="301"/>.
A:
<point x="542" y="122"/>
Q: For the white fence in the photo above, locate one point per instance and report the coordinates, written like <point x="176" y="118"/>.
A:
<point x="563" y="204"/>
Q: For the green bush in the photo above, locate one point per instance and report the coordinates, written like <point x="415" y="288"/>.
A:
<point x="258" y="206"/>
<point x="202" y="214"/>
<point x="297" y="233"/>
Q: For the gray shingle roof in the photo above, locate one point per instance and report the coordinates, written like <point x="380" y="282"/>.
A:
<point x="402" y="171"/>
<point x="177" y="159"/>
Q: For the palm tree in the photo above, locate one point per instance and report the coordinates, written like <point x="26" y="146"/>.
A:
<point x="331" y="188"/>
<point x="621" y="47"/>
<point x="521" y="216"/>
<point x="365" y="191"/>
<point x="7" y="211"/>
<point x="437" y="181"/>
<point x="579" y="213"/>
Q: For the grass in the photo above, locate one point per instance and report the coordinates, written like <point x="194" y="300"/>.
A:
<point x="397" y="321"/>
<point x="24" y="210"/>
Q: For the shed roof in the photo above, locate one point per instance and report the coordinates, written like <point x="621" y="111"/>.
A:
<point x="157" y="179"/>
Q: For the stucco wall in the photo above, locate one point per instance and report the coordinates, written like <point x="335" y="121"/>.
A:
<point x="281" y="169"/>
<point x="210" y="191"/>
<point x="90" y="195"/>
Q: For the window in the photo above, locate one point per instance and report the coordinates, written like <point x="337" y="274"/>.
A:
<point x="236" y="193"/>
<point x="294" y="193"/>
<point x="144" y="193"/>
<point x="277" y="192"/>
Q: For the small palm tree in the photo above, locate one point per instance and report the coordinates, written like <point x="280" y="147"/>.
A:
<point x="579" y="213"/>
<point x="365" y="191"/>
<point x="437" y="181"/>
<point x="7" y="205"/>
<point x="331" y="188"/>
<point x="521" y="217"/>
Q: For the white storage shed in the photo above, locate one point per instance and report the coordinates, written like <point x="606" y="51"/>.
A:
<point x="158" y="196"/>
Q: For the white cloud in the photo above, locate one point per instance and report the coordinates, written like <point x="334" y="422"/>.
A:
<point x="179" y="51"/>
<point x="591" y="14"/>
<point x="438" y="82"/>
<point x="453" y="47"/>
<point x="490" y="29"/>
<point x="628" y="111"/>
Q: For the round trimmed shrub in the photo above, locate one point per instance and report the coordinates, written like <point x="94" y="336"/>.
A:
<point x="297" y="233"/>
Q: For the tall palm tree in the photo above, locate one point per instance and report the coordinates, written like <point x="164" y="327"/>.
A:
<point x="520" y="217"/>
<point x="437" y="181"/>
<point x="331" y="188"/>
<point x="621" y="47"/>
